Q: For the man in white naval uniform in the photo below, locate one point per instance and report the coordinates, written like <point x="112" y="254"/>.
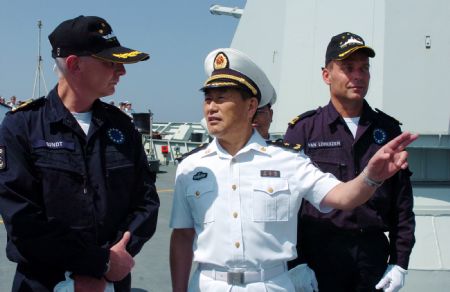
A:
<point x="236" y="200"/>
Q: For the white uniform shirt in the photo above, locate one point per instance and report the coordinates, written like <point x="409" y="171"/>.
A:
<point x="244" y="208"/>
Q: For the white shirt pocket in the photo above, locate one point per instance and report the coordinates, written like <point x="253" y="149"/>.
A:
<point x="271" y="200"/>
<point x="201" y="197"/>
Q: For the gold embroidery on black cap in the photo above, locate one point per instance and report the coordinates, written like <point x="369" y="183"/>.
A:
<point x="131" y="54"/>
<point x="221" y="61"/>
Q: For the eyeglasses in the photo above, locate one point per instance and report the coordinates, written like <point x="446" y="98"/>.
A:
<point x="262" y="111"/>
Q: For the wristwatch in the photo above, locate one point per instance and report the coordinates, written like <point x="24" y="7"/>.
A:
<point x="370" y="182"/>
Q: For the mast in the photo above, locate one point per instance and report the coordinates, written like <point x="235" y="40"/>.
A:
<point x="39" y="72"/>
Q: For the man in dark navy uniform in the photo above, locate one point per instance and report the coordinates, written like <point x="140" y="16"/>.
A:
<point x="348" y="250"/>
<point x="76" y="194"/>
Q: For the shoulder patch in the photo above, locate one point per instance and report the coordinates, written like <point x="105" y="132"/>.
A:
<point x="280" y="143"/>
<point x="300" y="117"/>
<point x="29" y="104"/>
<point x="200" y="147"/>
<point x="383" y="114"/>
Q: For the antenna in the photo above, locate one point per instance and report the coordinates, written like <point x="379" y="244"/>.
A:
<point x="39" y="73"/>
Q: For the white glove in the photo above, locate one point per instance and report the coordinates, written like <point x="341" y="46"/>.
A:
<point x="393" y="279"/>
<point x="303" y="278"/>
<point x="69" y="286"/>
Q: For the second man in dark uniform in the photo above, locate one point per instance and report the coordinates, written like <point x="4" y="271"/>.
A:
<point x="348" y="250"/>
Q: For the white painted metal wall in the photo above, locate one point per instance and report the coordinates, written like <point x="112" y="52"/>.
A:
<point x="288" y="39"/>
<point x="416" y="79"/>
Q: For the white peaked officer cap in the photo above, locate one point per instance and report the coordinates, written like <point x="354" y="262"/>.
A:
<point x="271" y="101"/>
<point x="227" y="67"/>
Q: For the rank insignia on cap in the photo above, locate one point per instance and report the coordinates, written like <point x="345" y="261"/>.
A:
<point x="221" y="61"/>
<point x="379" y="136"/>
<point x="199" y="175"/>
<point x="116" y="136"/>
<point x="351" y="40"/>
<point x="270" y="173"/>
<point x="2" y="157"/>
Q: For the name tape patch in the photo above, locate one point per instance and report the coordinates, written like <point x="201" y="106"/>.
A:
<point x="324" y="144"/>
<point x="53" y="144"/>
<point x="270" y="173"/>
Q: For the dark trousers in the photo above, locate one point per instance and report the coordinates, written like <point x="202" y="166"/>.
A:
<point x="346" y="262"/>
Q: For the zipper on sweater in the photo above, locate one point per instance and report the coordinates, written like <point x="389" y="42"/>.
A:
<point x="84" y="184"/>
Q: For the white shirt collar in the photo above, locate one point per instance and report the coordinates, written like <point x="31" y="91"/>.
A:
<point x="256" y="143"/>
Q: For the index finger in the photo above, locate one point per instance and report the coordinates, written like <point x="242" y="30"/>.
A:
<point x="400" y="142"/>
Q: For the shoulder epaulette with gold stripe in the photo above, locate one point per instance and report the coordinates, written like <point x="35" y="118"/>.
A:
<point x="388" y="116"/>
<point x="285" y="145"/>
<point x="29" y="104"/>
<point x="116" y="109"/>
<point x="300" y="117"/>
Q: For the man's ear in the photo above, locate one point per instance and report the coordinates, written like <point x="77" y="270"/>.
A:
<point x="72" y="63"/>
<point x="326" y="75"/>
<point x="253" y="106"/>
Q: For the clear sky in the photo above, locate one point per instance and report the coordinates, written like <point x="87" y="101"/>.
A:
<point x="177" y="34"/>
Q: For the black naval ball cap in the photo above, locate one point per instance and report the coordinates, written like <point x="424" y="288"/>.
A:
<point x="91" y="36"/>
<point x="344" y="44"/>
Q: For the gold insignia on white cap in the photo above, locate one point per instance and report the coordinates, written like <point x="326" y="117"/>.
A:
<point x="231" y="77"/>
<point x="220" y="61"/>
<point x="228" y="67"/>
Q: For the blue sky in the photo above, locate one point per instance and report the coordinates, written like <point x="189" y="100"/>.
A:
<point x="177" y="34"/>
